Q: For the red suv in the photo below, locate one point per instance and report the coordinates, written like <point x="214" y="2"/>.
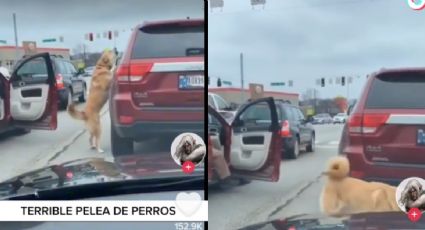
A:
<point x="384" y="138"/>
<point x="158" y="88"/>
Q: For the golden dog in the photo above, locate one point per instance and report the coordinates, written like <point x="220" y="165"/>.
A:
<point x="343" y="195"/>
<point x="99" y="89"/>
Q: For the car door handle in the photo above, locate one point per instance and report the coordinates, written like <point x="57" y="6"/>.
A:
<point x="213" y="131"/>
<point x="243" y="129"/>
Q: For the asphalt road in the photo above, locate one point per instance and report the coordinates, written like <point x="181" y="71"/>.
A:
<point x="70" y="141"/>
<point x="297" y="191"/>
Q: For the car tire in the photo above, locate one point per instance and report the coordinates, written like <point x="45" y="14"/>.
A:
<point x="312" y="145"/>
<point x="120" y="146"/>
<point x="294" y="152"/>
<point x="64" y="103"/>
<point x="83" y="96"/>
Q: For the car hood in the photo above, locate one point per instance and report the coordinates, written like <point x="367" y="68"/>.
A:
<point x="389" y="220"/>
<point x="91" y="170"/>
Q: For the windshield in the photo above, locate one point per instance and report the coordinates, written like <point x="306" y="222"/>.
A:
<point x="59" y="129"/>
<point x="318" y="58"/>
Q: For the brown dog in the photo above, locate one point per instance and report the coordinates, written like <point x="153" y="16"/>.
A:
<point x="99" y="89"/>
<point x="343" y="195"/>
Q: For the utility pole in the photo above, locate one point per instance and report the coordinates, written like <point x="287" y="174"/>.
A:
<point x="16" y="38"/>
<point x="242" y="85"/>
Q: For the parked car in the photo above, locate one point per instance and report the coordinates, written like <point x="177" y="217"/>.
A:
<point x="251" y="145"/>
<point x="322" y="118"/>
<point x="296" y="132"/>
<point x="70" y="83"/>
<point x="340" y="118"/>
<point x="28" y="96"/>
<point x="384" y="137"/>
<point x="221" y="106"/>
<point x="158" y="88"/>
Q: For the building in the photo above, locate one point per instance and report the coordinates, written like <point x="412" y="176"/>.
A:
<point x="7" y="54"/>
<point x="233" y="95"/>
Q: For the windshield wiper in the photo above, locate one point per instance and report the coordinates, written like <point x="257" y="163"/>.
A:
<point x="84" y="191"/>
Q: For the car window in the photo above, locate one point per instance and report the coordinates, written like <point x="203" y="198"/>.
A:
<point x="221" y="104"/>
<point x="62" y="67"/>
<point x="211" y="101"/>
<point x="300" y="114"/>
<point x="289" y="113"/>
<point x="410" y="88"/>
<point x="259" y="112"/>
<point x="71" y="68"/>
<point x="34" y="69"/>
<point x="176" y="40"/>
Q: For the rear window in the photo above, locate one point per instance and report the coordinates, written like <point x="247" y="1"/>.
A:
<point x="397" y="91"/>
<point x="171" y="40"/>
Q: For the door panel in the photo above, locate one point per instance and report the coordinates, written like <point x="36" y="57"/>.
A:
<point x="30" y="108"/>
<point x="249" y="156"/>
<point x="255" y="152"/>
<point x="33" y="94"/>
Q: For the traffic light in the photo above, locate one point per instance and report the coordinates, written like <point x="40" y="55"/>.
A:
<point x="218" y="82"/>
<point x="342" y="81"/>
<point x="110" y="35"/>
<point x="91" y="37"/>
<point x="322" y="82"/>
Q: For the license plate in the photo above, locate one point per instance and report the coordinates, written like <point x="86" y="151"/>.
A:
<point x="421" y="137"/>
<point x="191" y="81"/>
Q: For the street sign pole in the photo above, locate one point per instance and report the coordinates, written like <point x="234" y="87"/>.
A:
<point x="16" y="38"/>
<point x="241" y="62"/>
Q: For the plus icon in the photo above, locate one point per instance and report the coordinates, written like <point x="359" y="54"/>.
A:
<point x="414" y="214"/>
<point x="188" y="167"/>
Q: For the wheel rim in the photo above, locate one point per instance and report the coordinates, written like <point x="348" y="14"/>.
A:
<point x="296" y="148"/>
<point x="69" y="98"/>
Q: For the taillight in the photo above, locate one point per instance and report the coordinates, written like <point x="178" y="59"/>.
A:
<point x="285" y="131"/>
<point x="59" y="81"/>
<point x="133" y="72"/>
<point x="366" y="123"/>
<point x="371" y="122"/>
<point x="355" y="123"/>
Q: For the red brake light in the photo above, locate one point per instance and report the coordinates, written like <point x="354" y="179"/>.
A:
<point x="69" y="175"/>
<point x="285" y="131"/>
<point x="373" y="121"/>
<point x="59" y="81"/>
<point x="366" y="123"/>
<point x="133" y="72"/>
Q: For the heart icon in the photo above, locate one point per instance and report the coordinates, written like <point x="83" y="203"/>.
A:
<point x="188" y="203"/>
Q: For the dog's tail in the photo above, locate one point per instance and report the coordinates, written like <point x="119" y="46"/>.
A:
<point x="338" y="168"/>
<point x="80" y="115"/>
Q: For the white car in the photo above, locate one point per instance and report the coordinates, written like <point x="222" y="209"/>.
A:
<point x="221" y="106"/>
<point x="340" y="118"/>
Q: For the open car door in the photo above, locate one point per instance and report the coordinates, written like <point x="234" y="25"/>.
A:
<point x="255" y="150"/>
<point x="33" y="94"/>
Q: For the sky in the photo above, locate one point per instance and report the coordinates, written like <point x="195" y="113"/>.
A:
<point x="307" y="40"/>
<point x="72" y="19"/>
